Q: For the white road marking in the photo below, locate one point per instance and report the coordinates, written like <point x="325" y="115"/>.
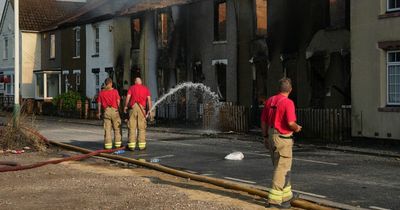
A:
<point x="299" y="159"/>
<point x="240" y="180"/>
<point x="310" y="194"/>
<point x="378" y="208"/>
<point x="165" y="156"/>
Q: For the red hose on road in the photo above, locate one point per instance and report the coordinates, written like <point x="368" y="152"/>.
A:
<point x="40" y="164"/>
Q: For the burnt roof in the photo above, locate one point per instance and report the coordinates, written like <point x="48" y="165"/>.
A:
<point x="38" y="14"/>
<point x="144" y="5"/>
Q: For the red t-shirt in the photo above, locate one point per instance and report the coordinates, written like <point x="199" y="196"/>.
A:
<point x="279" y="118"/>
<point x="139" y="94"/>
<point x="108" y="98"/>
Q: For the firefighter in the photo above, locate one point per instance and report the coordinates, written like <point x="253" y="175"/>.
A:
<point x="137" y="98"/>
<point x="278" y="122"/>
<point x="109" y="101"/>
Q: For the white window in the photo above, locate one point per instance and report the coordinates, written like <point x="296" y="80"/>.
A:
<point x="393" y="5"/>
<point x="48" y="85"/>
<point x="97" y="40"/>
<point x="77" y="37"/>
<point x="393" y="78"/>
<point x="5" y="52"/>
<point x="77" y="74"/>
<point x="52" y="46"/>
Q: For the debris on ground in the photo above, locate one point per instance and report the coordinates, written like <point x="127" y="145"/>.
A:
<point x="235" y="156"/>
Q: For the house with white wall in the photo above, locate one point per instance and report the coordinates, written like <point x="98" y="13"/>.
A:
<point x="34" y="16"/>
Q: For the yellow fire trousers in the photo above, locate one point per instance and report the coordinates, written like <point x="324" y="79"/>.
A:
<point x="137" y="122"/>
<point x="112" y="121"/>
<point x="280" y="147"/>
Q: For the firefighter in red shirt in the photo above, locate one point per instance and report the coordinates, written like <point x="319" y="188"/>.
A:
<point x="278" y="122"/>
<point x="109" y="100"/>
<point x="137" y="98"/>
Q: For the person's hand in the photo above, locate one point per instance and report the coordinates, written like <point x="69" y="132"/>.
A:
<point x="125" y="109"/>
<point x="147" y="115"/>
<point x="299" y="128"/>
<point x="98" y="115"/>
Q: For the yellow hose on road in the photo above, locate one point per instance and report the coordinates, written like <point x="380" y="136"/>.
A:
<point x="300" y="203"/>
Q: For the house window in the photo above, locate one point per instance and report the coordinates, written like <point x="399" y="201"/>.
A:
<point x="77" y="37"/>
<point x="220" y="21"/>
<point x="97" y="84"/>
<point x="48" y="85"/>
<point x="136" y="31"/>
<point x="261" y="19"/>
<point x="393" y="78"/>
<point x="5" y="52"/>
<point x="77" y="74"/>
<point x="163" y="30"/>
<point x="66" y="81"/>
<point x="220" y="75"/>
<point x="393" y="5"/>
<point x="52" y="46"/>
<point x="9" y="84"/>
<point x="97" y="40"/>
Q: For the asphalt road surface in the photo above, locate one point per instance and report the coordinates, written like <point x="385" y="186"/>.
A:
<point x="357" y="180"/>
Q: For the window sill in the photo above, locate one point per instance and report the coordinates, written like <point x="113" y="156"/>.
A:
<point x="389" y="109"/>
<point x="95" y="56"/>
<point x="390" y="15"/>
<point x="219" y="42"/>
<point x="76" y="57"/>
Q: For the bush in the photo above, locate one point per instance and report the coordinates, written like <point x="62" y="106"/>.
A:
<point x="68" y="100"/>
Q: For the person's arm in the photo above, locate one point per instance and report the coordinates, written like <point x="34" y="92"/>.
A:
<point x="150" y="105"/>
<point x="98" y="107"/>
<point x="291" y="117"/>
<point x="264" y="127"/>
<point x="128" y="98"/>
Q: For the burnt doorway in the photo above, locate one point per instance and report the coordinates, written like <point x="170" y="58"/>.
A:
<point x="220" y="71"/>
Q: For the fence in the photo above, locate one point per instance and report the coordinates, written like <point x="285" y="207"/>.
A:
<point x="325" y="124"/>
<point x="227" y="117"/>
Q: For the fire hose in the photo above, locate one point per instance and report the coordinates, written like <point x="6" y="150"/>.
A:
<point x="103" y="153"/>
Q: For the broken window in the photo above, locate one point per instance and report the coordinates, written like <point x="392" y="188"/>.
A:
<point x="163" y="30"/>
<point x="393" y="77"/>
<point x="221" y="80"/>
<point x="339" y="13"/>
<point x="220" y="21"/>
<point x="261" y="19"/>
<point x="136" y="31"/>
<point x="393" y="5"/>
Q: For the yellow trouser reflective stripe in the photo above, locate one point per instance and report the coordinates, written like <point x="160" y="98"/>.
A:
<point x="142" y="145"/>
<point x="275" y="195"/>
<point x="131" y="145"/>
<point x="118" y="144"/>
<point x="287" y="192"/>
<point x="108" y="146"/>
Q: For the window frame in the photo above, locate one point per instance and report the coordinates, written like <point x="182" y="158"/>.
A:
<point x="391" y="9"/>
<point x="45" y="91"/>
<point x="388" y="63"/>
<point x="77" y="42"/>
<point x="11" y="83"/>
<point x="77" y="74"/>
<point x="52" y="52"/>
<point x="136" y="40"/>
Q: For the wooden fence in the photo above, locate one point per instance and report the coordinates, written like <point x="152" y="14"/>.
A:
<point x="227" y="117"/>
<point x="325" y="124"/>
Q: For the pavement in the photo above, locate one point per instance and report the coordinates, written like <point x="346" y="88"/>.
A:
<point x="363" y="178"/>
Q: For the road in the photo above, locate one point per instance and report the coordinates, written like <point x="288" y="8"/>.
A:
<point x="353" y="179"/>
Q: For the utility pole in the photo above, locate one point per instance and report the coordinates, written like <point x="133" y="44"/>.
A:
<point x="17" y="107"/>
